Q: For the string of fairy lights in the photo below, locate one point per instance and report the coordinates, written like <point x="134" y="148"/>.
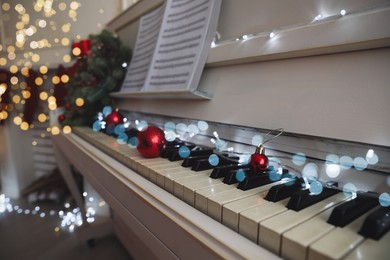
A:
<point x="68" y="218"/>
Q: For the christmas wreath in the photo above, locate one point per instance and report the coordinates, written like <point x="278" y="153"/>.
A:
<point x="100" y="69"/>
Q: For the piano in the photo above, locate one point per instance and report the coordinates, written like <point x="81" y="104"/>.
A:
<point x="335" y="130"/>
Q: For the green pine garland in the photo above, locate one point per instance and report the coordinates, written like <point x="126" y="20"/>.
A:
<point x="97" y="74"/>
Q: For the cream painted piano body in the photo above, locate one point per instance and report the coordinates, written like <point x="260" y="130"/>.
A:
<point x="325" y="83"/>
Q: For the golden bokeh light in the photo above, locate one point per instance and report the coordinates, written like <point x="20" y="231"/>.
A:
<point x="5" y="6"/>
<point x="79" y="102"/>
<point x="10" y="48"/>
<point x="67" y="58"/>
<point x="25" y="71"/>
<point x="67" y="129"/>
<point x="26" y="94"/>
<point x="76" y="51"/>
<point x="14" y="80"/>
<point x="64" y="78"/>
<point x="66" y="27"/>
<point x="35" y="57"/>
<point x="3" y="61"/>
<point x="43" y="69"/>
<point x="55" y="80"/>
<point x="3" y="88"/>
<point x="55" y="130"/>
<point x="16" y="99"/>
<point x="34" y="143"/>
<point x="51" y="99"/>
<point x="42" y="118"/>
<point x="13" y="69"/>
<point x="43" y="95"/>
<point x="62" y="6"/>
<point x="3" y="115"/>
<point x="24" y="126"/>
<point x="39" y="81"/>
<point x="65" y="41"/>
<point x="17" y="120"/>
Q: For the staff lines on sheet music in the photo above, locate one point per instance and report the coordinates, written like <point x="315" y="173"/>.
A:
<point x="148" y="20"/>
<point x="135" y="80"/>
<point x="171" y="76"/>
<point x="173" y="82"/>
<point x="189" y="9"/>
<point x="185" y="25"/>
<point x="152" y="29"/>
<point x="182" y="4"/>
<point x="182" y="41"/>
<point x="155" y="30"/>
<point x="176" y="58"/>
<point x="142" y="57"/>
<point x="174" y="65"/>
<point x="138" y="70"/>
<point x="150" y="45"/>
<point x="183" y="32"/>
<point x="187" y="16"/>
<point x="188" y="46"/>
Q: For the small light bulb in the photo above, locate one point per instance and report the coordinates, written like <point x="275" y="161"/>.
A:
<point x="318" y="17"/>
<point x="244" y="37"/>
<point x="343" y="12"/>
<point x="213" y="44"/>
<point x="272" y="34"/>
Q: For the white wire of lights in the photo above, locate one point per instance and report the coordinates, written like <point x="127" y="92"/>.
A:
<point x="271" y="34"/>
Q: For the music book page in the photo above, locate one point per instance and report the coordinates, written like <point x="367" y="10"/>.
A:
<point x="149" y="28"/>
<point x="186" y="33"/>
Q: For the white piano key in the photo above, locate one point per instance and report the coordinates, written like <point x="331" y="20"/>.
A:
<point x="231" y="211"/>
<point x="169" y="177"/>
<point x="271" y="230"/>
<point x="372" y="249"/>
<point x="249" y="221"/>
<point x="216" y="201"/>
<point x="202" y="194"/>
<point x="189" y="189"/>
<point x="296" y="241"/>
<point x="146" y="166"/>
<point x="339" y="242"/>
<point x="156" y="172"/>
<point x="178" y="183"/>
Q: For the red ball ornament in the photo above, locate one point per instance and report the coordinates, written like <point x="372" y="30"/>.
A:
<point x="259" y="161"/>
<point x="61" y="118"/>
<point x="151" y="142"/>
<point x="114" y="118"/>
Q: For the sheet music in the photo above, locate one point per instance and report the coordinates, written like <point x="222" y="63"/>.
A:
<point x="146" y="41"/>
<point x="185" y="37"/>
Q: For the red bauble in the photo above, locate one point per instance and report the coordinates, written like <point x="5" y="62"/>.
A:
<point x="61" y="118"/>
<point x="114" y="118"/>
<point x="151" y="142"/>
<point x="259" y="161"/>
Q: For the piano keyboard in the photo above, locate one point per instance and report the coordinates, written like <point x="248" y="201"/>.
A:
<point x="276" y="226"/>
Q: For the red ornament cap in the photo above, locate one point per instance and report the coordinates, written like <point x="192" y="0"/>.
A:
<point x="151" y="142"/>
<point x="259" y="161"/>
<point x="61" y="118"/>
<point x="114" y="118"/>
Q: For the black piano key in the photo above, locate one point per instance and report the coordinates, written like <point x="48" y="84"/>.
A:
<point x="347" y="212"/>
<point x="204" y="164"/>
<point x="190" y="161"/>
<point x="230" y="176"/>
<point x="303" y="199"/>
<point x="174" y="147"/>
<point x="282" y="191"/>
<point x="376" y="224"/>
<point x="221" y="171"/>
<point x="254" y="180"/>
<point x="176" y="155"/>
